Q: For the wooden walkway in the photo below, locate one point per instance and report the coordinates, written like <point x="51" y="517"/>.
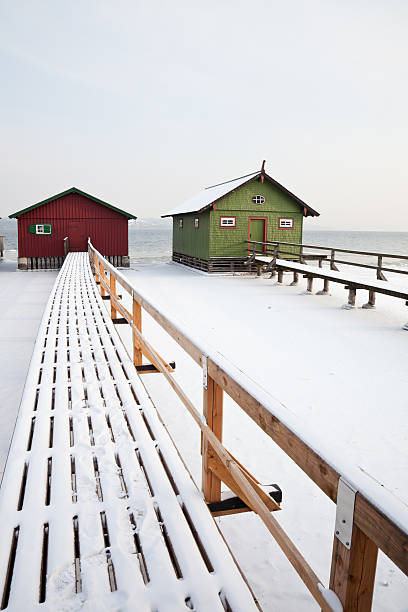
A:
<point x="97" y="510"/>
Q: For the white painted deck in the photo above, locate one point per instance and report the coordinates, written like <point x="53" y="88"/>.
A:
<point x="98" y="512"/>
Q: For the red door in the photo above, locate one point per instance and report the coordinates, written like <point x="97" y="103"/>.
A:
<point x="77" y="236"/>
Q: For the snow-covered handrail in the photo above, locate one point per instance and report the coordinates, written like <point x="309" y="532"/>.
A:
<point x="299" y="254"/>
<point x="379" y="519"/>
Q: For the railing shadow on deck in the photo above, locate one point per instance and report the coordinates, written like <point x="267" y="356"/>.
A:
<point x="361" y="526"/>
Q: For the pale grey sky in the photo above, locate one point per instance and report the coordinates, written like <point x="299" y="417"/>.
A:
<point x="143" y="103"/>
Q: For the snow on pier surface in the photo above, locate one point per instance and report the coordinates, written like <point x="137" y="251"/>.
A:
<point x="97" y="510"/>
<point x="340" y="380"/>
<point x="23" y="297"/>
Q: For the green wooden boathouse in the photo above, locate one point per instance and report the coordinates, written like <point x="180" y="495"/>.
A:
<point x="212" y="229"/>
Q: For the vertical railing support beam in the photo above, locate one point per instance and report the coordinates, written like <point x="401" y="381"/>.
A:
<point x="102" y="276"/>
<point x="137" y="320"/>
<point x="332" y="258"/>
<point x="353" y="572"/>
<point x="212" y="410"/>
<point x="112" y="286"/>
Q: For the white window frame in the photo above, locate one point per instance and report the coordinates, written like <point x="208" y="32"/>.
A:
<point x="180" y="223"/>
<point x="196" y="222"/>
<point x="286" y="223"/>
<point x="228" y="221"/>
<point x="259" y="199"/>
<point x="39" y="228"/>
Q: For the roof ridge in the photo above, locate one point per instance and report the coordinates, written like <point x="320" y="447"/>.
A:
<point x="67" y="192"/>
<point x="232" y="180"/>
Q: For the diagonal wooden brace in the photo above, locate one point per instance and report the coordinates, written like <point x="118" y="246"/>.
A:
<point x="219" y="469"/>
<point x="142" y="347"/>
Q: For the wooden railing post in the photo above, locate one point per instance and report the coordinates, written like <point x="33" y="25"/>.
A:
<point x="332" y="264"/>
<point x="212" y="410"/>
<point x="112" y="286"/>
<point x="380" y="275"/>
<point x="353" y="572"/>
<point x="102" y="276"/>
<point x="137" y="320"/>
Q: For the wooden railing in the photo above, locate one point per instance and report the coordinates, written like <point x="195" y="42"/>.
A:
<point x="275" y="249"/>
<point x="353" y="562"/>
<point x="66" y="246"/>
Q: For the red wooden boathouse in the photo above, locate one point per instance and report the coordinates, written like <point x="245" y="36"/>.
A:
<point x="76" y="215"/>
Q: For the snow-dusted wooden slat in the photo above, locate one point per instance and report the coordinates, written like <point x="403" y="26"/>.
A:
<point x="96" y="507"/>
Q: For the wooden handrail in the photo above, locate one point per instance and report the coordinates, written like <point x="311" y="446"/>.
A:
<point x="330" y="248"/>
<point x="379" y="267"/>
<point x="373" y="527"/>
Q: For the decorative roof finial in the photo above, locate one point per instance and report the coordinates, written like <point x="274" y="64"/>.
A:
<point x="263" y="167"/>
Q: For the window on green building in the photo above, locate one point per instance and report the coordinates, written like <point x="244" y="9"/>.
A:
<point x="196" y="222"/>
<point x="258" y="199"/>
<point x="227" y="221"/>
<point x="180" y="223"/>
<point x="285" y="223"/>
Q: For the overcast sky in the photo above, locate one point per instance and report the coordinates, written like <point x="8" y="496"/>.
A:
<point x="143" y="103"/>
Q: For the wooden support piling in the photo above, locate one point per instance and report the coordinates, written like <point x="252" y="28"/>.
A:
<point x="212" y="410"/>
<point x="309" y="284"/>
<point x="352" y="297"/>
<point x="371" y="300"/>
<point x="295" y="279"/>
<point x="280" y="276"/>
<point x="325" y="289"/>
<point x="353" y="572"/>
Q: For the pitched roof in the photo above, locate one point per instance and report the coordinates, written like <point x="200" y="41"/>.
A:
<point x="210" y="195"/>
<point x="68" y="191"/>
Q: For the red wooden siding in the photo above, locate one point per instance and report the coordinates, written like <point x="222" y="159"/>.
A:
<point x="77" y="217"/>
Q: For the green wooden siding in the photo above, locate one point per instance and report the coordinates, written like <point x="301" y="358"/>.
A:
<point x="189" y="240"/>
<point x="211" y="240"/>
<point x="231" y="242"/>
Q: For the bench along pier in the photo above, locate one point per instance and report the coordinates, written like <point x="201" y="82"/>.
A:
<point x="95" y="500"/>
<point x="278" y="257"/>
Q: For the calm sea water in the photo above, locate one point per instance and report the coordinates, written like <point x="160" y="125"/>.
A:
<point x="150" y="241"/>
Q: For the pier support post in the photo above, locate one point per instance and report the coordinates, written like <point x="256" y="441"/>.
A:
<point x="212" y="410"/>
<point x="280" y="276"/>
<point x="371" y="300"/>
<point x="309" y="284"/>
<point x="353" y="572"/>
<point x="295" y="279"/>
<point x="325" y="289"/>
<point x="137" y="320"/>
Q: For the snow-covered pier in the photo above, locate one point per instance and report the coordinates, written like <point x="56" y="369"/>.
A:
<point x="97" y="510"/>
<point x="91" y="462"/>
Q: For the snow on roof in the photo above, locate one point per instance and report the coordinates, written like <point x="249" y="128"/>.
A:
<point x="209" y="195"/>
